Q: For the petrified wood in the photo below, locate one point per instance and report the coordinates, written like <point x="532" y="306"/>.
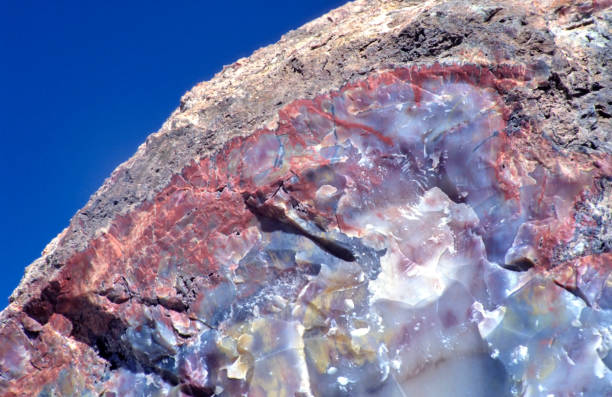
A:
<point x="397" y="199"/>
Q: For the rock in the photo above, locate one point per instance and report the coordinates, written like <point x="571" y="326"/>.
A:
<point x="399" y="198"/>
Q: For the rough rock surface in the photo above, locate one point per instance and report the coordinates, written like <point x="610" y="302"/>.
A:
<point x="399" y="198"/>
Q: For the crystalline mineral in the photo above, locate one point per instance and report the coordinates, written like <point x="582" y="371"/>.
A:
<point x="404" y="235"/>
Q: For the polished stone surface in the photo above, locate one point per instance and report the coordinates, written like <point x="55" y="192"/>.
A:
<point x="394" y="238"/>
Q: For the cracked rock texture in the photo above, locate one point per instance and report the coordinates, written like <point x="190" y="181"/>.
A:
<point x="398" y="198"/>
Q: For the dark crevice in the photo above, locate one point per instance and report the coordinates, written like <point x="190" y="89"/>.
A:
<point x="121" y="293"/>
<point x="556" y="82"/>
<point x="91" y="324"/>
<point x="197" y="391"/>
<point x="489" y="14"/>
<point x="42" y="308"/>
<point x="172" y="304"/>
<point x="102" y="331"/>
<point x="600" y="109"/>
<point x="520" y="265"/>
<point x="336" y="249"/>
<point x="272" y="215"/>
<point x="580" y="24"/>
<point x="448" y="187"/>
<point x="324" y="241"/>
<point x="580" y="92"/>
<point x="31" y="334"/>
<point x="577" y="292"/>
<point x="297" y="66"/>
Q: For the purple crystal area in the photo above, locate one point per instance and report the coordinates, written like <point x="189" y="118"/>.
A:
<point x="392" y="238"/>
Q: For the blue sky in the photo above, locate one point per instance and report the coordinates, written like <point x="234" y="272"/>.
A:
<point x="83" y="83"/>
